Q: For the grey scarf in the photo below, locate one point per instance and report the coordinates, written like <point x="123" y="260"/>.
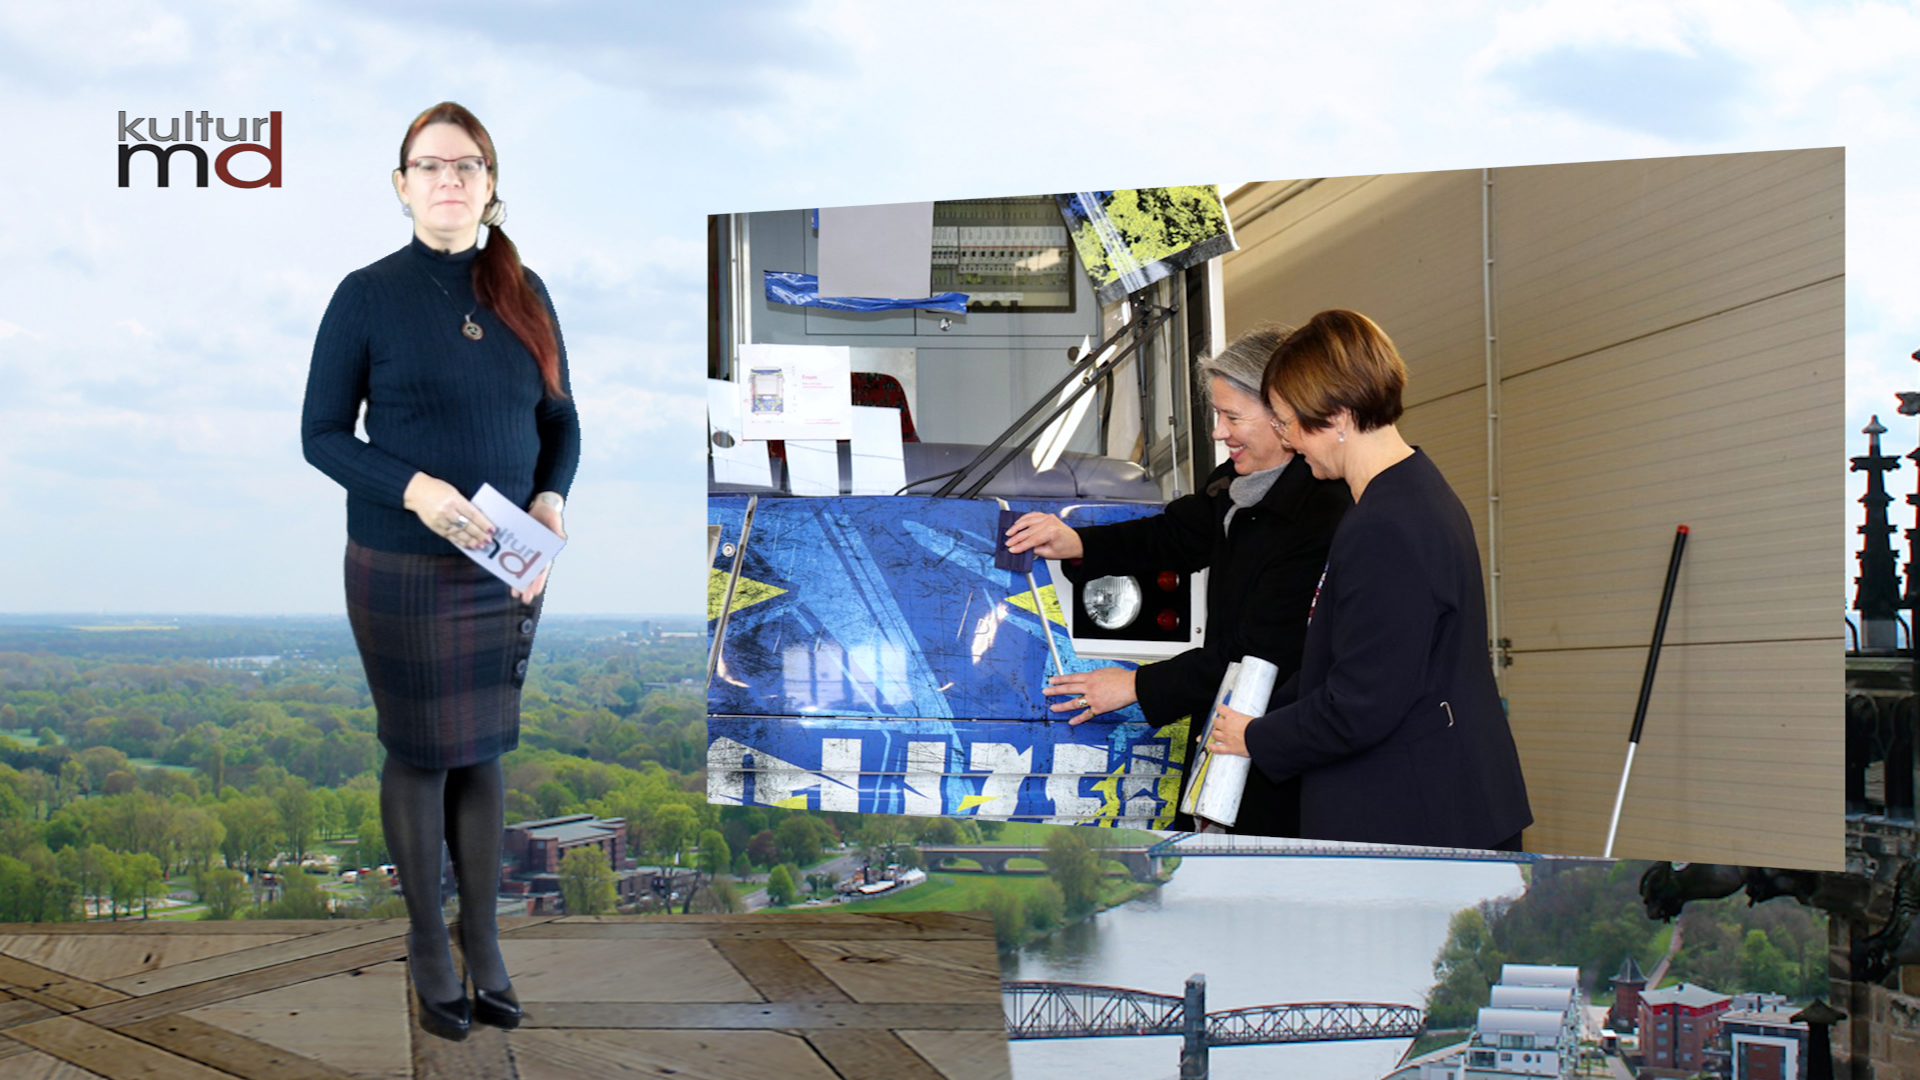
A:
<point x="1247" y="490"/>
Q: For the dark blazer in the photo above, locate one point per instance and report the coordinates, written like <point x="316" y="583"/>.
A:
<point x="1259" y="585"/>
<point x="1395" y="728"/>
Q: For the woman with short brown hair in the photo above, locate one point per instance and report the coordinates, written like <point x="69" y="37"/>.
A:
<point x="1394" y="724"/>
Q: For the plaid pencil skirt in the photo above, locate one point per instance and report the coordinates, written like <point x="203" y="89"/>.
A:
<point x="445" y="646"/>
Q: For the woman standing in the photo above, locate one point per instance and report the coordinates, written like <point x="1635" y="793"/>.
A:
<point x="1395" y="728"/>
<point x="1261" y="526"/>
<point x="455" y="352"/>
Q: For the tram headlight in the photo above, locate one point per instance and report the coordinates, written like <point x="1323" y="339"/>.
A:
<point x="1113" y="601"/>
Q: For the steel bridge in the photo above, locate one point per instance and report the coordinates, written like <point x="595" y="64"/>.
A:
<point x="1188" y="845"/>
<point x="1056" y="1010"/>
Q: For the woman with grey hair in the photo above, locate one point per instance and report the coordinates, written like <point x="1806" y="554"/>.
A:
<point x="1262" y="526"/>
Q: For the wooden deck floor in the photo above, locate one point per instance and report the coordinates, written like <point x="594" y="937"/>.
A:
<point x="801" y="996"/>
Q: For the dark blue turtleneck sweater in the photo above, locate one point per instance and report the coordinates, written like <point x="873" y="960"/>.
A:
<point x="467" y="412"/>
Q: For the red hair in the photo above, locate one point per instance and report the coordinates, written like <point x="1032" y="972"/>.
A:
<point x="499" y="281"/>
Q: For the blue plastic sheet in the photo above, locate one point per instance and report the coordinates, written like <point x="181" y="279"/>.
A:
<point x="790" y="287"/>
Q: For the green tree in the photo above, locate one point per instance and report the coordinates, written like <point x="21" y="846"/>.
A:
<point x="1046" y="906"/>
<point x="253" y="832"/>
<point x="715" y="857"/>
<point x="1464" y="971"/>
<point x="1763" y="967"/>
<point x="224" y="892"/>
<point x="804" y="838"/>
<point x="196" y="836"/>
<point x="136" y="879"/>
<point x="718" y="898"/>
<point x="370" y="840"/>
<point x="1008" y="913"/>
<point x="780" y="886"/>
<point x="1073" y="866"/>
<point x="673" y="825"/>
<point x="586" y="882"/>
<point x="300" y="898"/>
<point x="299" y="817"/>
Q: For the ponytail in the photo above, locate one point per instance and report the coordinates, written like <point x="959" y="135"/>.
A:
<point x="500" y="283"/>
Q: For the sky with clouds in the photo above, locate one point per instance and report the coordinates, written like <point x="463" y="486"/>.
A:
<point x="154" y="342"/>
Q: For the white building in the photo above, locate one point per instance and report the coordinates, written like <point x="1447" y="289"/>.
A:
<point x="1530" y="1028"/>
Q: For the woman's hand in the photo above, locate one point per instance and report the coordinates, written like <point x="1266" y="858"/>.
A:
<point x="1047" y="535"/>
<point x="1098" y="691"/>
<point x="1229" y="732"/>
<point x="440" y="507"/>
<point x="545" y="509"/>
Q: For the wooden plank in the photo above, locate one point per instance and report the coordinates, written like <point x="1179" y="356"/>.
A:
<point x="963" y="1055"/>
<point x="228" y="1051"/>
<point x="787" y="1015"/>
<point x="290" y="927"/>
<point x="14" y="1047"/>
<point x="181" y="999"/>
<point x="683" y="1055"/>
<point x="31" y="1064"/>
<point x="746" y="927"/>
<point x="23" y="1011"/>
<point x="239" y="963"/>
<point x="762" y="918"/>
<point x="512" y="924"/>
<point x="778" y="972"/>
<point x="482" y="1056"/>
<point x="109" y="1053"/>
<point x="355" y="1022"/>
<point x="621" y="970"/>
<point x="871" y="1055"/>
<point x="53" y="988"/>
<point x="925" y="971"/>
<point x="100" y="957"/>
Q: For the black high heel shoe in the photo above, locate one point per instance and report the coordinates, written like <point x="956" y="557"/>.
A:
<point x="496" y="1008"/>
<point x="451" y="1020"/>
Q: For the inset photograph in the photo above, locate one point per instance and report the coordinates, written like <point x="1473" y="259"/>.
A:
<point x="1428" y="509"/>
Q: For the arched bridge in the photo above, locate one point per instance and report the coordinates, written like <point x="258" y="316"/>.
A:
<point x="1054" y="1010"/>
<point x="1144" y="862"/>
<point x="1188" y="845"/>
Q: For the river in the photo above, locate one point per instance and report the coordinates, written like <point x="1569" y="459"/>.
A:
<point x="1264" y="931"/>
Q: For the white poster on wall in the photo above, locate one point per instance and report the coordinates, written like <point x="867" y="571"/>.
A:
<point x="796" y="391"/>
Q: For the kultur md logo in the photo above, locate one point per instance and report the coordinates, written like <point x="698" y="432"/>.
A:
<point x="186" y="131"/>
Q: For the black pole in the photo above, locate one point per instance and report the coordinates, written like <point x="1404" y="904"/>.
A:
<point x="1659" y="634"/>
<point x="1646" y="683"/>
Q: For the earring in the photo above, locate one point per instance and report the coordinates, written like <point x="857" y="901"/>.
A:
<point x="496" y="214"/>
<point x="405" y="210"/>
<point x="1341" y="436"/>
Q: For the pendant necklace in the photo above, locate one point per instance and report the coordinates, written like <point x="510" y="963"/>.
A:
<point x="467" y="325"/>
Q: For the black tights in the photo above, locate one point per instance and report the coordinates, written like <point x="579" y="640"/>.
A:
<point x="465" y="807"/>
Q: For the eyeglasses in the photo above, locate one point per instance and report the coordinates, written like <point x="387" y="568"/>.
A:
<point x="1239" y="422"/>
<point x="466" y="168"/>
<point x="1281" y="426"/>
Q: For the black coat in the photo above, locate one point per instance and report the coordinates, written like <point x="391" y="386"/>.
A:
<point x="1395" y="728"/>
<point x="1259" y="585"/>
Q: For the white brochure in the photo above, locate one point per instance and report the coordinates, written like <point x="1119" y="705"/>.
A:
<point x="521" y="546"/>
